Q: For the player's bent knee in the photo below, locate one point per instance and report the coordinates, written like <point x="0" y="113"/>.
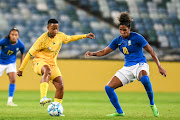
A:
<point x="12" y="81"/>
<point x="61" y="87"/>
<point x="48" y="71"/>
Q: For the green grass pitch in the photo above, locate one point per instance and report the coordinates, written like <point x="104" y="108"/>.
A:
<point x="90" y="106"/>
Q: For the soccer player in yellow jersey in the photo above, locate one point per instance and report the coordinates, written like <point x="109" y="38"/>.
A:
<point x="45" y="50"/>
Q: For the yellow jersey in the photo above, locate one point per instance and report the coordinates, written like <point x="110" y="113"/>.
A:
<point x="47" y="49"/>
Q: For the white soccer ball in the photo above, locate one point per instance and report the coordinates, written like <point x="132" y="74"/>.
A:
<point x="55" y="109"/>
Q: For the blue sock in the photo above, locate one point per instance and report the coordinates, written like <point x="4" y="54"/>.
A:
<point x="12" y="88"/>
<point x="147" y="85"/>
<point x="113" y="98"/>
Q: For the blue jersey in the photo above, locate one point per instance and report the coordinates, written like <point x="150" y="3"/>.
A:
<point x="8" y="51"/>
<point x="132" y="48"/>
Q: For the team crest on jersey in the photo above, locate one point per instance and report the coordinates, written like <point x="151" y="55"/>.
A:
<point x="129" y="42"/>
<point x="5" y="46"/>
<point x="119" y="44"/>
<point x="49" y="48"/>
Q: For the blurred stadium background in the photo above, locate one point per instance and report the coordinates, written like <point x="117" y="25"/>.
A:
<point x="157" y="20"/>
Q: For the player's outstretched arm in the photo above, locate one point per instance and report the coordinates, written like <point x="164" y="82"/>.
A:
<point x="32" y="52"/>
<point x="22" y="58"/>
<point x="103" y="52"/>
<point x="149" y="49"/>
<point x="19" y="73"/>
<point x="24" y="62"/>
<point x="73" y="38"/>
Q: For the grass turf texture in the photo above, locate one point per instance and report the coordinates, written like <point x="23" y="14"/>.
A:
<point x="90" y="106"/>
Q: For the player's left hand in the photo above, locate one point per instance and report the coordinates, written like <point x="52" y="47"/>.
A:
<point x="19" y="73"/>
<point x="162" y="71"/>
<point x="90" y="35"/>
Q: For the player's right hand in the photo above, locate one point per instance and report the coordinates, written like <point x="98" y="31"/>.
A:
<point x="162" y="71"/>
<point x="19" y="73"/>
<point x="88" y="53"/>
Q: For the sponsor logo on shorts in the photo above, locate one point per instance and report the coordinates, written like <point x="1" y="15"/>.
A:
<point x="141" y="63"/>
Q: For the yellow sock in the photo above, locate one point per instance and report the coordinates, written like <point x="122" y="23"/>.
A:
<point x="43" y="89"/>
<point x="58" y="100"/>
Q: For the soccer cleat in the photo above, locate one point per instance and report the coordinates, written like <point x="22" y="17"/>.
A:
<point x="117" y="114"/>
<point x="62" y="115"/>
<point x="11" y="104"/>
<point x="155" y="110"/>
<point x="45" y="100"/>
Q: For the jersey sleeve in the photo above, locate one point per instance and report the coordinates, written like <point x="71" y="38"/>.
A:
<point x="141" y="41"/>
<point x="22" y="47"/>
<point x="72" y="38"/>
<point x="32" y="52"/>
<point x="25" y="61"/>
<point x="114" y="44"/>
<point x="36" y="47"/>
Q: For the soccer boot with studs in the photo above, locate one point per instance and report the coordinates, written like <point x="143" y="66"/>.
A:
<point x="45" y="100"/>
<point x="155" y="110"/>
<point x="117" y="114"/>
<point x="11" y="104"/>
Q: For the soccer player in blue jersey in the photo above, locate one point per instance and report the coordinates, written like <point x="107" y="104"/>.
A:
<point x="10" y="45"/>
<point x="131" y="44"/>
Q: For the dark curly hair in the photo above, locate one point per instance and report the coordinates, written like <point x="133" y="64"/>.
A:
<point x="52" y="21"/>
<point x="125" y="19"/>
